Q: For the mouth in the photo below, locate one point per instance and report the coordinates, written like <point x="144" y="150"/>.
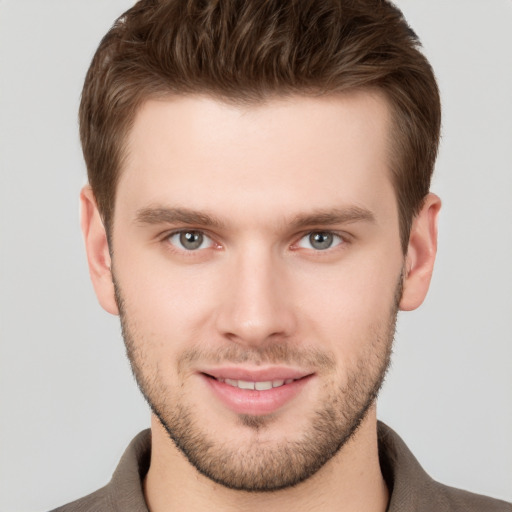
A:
<point x="257" y="392"/>
<point x="263" y="385"/>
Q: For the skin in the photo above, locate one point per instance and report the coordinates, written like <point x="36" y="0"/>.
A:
<point x="256" y="170"/>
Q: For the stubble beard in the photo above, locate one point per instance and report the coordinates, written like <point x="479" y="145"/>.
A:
<point x="255" y="466"/>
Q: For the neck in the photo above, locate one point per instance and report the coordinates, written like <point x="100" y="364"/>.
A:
<point x="351" y="481"/>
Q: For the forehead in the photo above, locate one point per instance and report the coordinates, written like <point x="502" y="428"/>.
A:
<point x="203" y="153"/>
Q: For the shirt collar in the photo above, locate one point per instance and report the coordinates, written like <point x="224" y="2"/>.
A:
<point x="409" y="485"/>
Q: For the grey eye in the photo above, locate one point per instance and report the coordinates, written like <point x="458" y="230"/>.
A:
<point x="320" y="240"/>
<point x="190" y="240"/>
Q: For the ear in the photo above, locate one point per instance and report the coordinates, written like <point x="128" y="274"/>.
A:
<point x="96" y="246"/>
<point x="421" y="254"/>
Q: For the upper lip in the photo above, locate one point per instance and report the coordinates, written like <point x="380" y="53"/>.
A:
<point x="256" y="374"/>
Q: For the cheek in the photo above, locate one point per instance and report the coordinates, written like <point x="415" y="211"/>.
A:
<point x="165" y="303"/>
<point x="348" y="307"/>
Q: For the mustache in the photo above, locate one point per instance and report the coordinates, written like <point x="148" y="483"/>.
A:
<point x="272" y="353"/>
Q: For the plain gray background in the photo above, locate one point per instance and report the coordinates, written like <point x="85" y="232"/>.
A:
<point x="69" y="405"/>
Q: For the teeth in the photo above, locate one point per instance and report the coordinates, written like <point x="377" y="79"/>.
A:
<point x="259" y="386"/>
<point x="263" y="386"/>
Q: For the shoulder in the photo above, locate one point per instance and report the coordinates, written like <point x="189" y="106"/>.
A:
<point x="124" y="491"/>
<point x="450" y="498"/>
<point x="412" y="489"/>
<point x="97" y="501"/>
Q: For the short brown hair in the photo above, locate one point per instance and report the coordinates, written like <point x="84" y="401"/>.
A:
<point x="249" y="50"/>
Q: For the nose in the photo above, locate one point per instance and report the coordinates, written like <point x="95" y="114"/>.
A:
<point x="256" y="305"/>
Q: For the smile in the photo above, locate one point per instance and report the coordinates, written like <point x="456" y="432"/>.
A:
<point x="255" y="392"/>
<point x="258" y="386"/>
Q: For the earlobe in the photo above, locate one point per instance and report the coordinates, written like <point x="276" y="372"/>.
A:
<point x="421" y="254"/>
<point x="98" y="256"/>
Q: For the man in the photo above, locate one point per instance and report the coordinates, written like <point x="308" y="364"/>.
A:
<point x="258" y="212"/>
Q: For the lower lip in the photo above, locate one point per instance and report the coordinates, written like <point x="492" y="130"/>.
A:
<point x="253" y="402"/>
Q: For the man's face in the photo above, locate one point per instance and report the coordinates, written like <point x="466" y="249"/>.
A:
<point x="257" y="262"/>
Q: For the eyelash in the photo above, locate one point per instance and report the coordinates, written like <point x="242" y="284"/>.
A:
<point x="189" y="252"/>
<point x="343" y="239"/>
<point x="333" y="236"/>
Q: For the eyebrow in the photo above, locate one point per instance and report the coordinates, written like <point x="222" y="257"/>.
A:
<point x="333" y="216"/>
<point x="320" y="217"/>
<point x="162" y="215"/>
